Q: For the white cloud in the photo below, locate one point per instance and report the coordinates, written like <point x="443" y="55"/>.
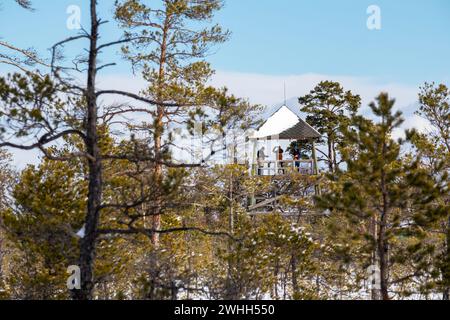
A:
<point x="269" y="89"/>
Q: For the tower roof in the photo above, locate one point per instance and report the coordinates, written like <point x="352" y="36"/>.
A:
<point x="284" y="124"/>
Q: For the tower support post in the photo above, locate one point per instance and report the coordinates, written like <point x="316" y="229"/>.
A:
<point x="315" y="167"/>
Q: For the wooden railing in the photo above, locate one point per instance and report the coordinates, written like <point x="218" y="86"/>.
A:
<point x="283" y="167"/>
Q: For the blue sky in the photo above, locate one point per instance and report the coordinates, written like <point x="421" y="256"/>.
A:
<point x="323" y="36"/>
<point x="286" y="37"/>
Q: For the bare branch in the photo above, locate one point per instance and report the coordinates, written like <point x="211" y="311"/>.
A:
<point x="137" y="158"/>
<point x="61" y="43"/>
<point x="150" y="232"/>
<point x="136" y="97"/>
<point x="106" y="65"/>
<point x="113" y="43"/>
<point x="45" y="139"/>
<point x="30" y="55"/>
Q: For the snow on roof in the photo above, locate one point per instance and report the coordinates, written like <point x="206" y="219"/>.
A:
<point x="285" y="124"/>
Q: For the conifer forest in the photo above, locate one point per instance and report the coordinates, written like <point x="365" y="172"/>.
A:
<point x="185" y="189"/>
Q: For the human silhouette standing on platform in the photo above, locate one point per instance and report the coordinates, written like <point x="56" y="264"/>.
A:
<point x="279" y="156"/>
<point x="261" y="156"/>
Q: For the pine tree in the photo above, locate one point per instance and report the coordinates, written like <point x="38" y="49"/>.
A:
<point x="328" y="106"/>
<point x="172" y="40"/>
<point x="372" y="191"/>
<point x="433" y="149"/>
<point x="7" y="179"/>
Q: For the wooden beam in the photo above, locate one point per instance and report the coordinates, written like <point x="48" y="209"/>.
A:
<point x="264" y="203"/>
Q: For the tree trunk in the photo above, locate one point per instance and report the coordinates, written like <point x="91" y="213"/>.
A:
<point x="335" y="166"/>
<point x="383" y="260"/>
<point x="157" y="135"/>
<point x="330" y="156"/>
<point x="158" y="177"/>
<point x="230" y="293"/>
<point x="375" y="291"/>
<point x="1" y="260"/>
<point x="294" y="276"/>
<point x="88" y="242"/>
<point x="276" y="273"/>
<point x="153" y="274"/>
<point x="158" y="171"/>
<point x="446" y="271"/>
<point x="173" y="292"/>
<point x="382" y="242"/>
